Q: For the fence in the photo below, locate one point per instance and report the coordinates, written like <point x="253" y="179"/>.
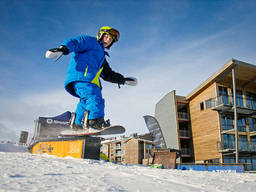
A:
<point x="238" y="168"/>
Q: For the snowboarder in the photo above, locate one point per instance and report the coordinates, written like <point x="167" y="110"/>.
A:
<point x="87" y="65"/>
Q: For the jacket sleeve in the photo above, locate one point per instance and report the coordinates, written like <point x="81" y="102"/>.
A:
<point x="109" y="75"/>
<point x="77" y="44"/>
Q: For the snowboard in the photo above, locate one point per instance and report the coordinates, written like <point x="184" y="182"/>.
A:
<point x="113" y="129"/>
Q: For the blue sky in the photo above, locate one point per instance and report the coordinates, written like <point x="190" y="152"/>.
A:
<point x="168" y="45"/>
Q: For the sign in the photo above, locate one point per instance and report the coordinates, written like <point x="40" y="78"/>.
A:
<point x="156" y="132"/>
<point x="52" y="126"/>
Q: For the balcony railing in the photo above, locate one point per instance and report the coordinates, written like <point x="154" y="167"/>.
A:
<point x="244" y="146"/>
<point x="119" y="154"/>
<point x="226" y="103"/>
<point x="230" y="147"/>
<point x="230" y="127"/>
<point x="252" y="127"/>
<point x="251" y="103"/>
<point x="183" y="116"/>
<point x="253" y="146"/>
<point x="226" y="127"/>
<point x="186" y="152"/>
<point x="185" y="133"/>
<point x="224" y="147"/>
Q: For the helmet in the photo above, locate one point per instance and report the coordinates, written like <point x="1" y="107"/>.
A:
<point x="110" y="31"/>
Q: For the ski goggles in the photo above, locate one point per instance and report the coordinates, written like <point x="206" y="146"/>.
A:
<point x="113" y="33"/>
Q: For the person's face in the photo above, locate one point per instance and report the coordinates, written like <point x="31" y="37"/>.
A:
<point x="107" y="39"/>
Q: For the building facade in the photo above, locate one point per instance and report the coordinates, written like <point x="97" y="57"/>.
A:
<point x="221" y="116"/>
<point x="128" y="150"/>
<point x="172" y="113"/>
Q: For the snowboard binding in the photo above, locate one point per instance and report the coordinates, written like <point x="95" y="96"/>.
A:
<point x="74" y="126"/>
<point x="90" y="125"/>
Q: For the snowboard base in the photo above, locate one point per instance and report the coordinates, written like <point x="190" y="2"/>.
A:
<point x="113" y="129"/>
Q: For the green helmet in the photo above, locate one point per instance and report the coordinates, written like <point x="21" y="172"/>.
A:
<point x="110" y="31"/>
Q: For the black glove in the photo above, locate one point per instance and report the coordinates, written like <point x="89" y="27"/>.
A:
<point x="130" y="81"/>
<point x="62" y="49"/>
<point x="57" y="52"/>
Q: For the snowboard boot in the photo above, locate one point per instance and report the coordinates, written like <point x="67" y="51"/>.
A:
<point x="95" y="125"/>
<point x="77" y="127"/>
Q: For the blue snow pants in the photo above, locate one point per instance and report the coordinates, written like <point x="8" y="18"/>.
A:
<point x="90" y="99"/>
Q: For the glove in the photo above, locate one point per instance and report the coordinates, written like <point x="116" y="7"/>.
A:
<point x="130" y="81"/>
<point x="56" y="52"/>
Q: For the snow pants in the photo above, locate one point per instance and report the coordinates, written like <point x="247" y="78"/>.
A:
<point x="90" y="99"/>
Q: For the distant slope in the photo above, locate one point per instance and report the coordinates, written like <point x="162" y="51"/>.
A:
<point x="8" y="147"/>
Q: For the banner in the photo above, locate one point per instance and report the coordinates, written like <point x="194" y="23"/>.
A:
<point x="155" y="130"/>
<point x="52" y="126"/>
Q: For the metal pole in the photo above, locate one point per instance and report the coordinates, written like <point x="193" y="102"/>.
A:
<point x="235" y="113"/>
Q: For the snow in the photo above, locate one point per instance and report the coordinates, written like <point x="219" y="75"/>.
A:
<point x="30" y="172"/>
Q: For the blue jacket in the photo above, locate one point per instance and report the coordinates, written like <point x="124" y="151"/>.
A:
<point x="86" y="62"/>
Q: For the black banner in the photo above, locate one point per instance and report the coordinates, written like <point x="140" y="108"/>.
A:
<point x="155" y="130"/>
<point x="52" y="126"/>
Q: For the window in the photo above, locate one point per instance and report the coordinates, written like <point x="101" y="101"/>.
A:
<point x="253" y="144"/>
<point x="212" y="161"/>
<point x="243" y="143"/>
<point x="229" y="159"/>
<point x="251" y="100"/>
<point x="223" y="96"/>
<point x="241" y="123"/>
<point x="209" y="103"/>
<point x="202" y="106"/>
<point x="239" y="98"/>
<point x="228" y="141"/>
<point x="118" y="146"/>
<point x="254" y="163"/>
<point x="252" y="124"/>
<point x="248" y="160"/>
<point x="227" y="122"/>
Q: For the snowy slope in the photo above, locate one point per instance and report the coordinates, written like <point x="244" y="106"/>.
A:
<point x="28" y="172"/>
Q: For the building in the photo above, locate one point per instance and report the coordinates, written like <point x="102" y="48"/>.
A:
<point x="130" y="150"/>
<point x="172" y="113"/>
<point x="218" y="118"/>
<point x="23" y="137"/>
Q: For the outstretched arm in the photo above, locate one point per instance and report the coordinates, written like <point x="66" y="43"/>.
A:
<point x="78" y="44"/>
<point x="109" y="75"/>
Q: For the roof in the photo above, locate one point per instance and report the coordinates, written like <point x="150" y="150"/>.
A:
<point x="126" y="139"/>
<point x="144" y="140"/>
<point x="245" y="73"/>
